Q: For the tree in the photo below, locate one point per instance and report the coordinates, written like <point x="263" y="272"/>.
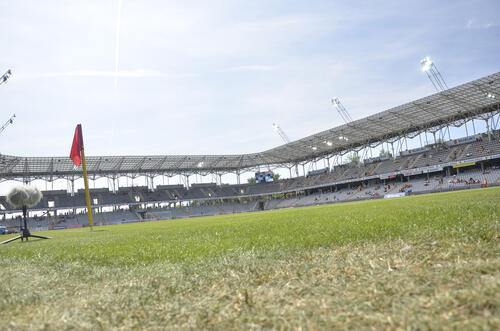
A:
<point x="276" y="177"/>
<point x="384" y="153"/>
<point x="353" y="158"/>
<point x="251" y="180"/>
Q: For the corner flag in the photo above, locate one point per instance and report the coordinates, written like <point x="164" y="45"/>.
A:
<point x="77" y="146"/>
<point x="77" y="154"/>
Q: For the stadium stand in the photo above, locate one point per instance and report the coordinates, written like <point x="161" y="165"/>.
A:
<point x="437" y="155"/>
<point x="469" y="178"/>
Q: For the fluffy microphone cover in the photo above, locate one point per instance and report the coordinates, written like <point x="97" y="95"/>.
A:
<point x="24" y="196"/>
<point x="34" y="196"/>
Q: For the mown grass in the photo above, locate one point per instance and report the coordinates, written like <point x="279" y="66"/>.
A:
<point x="421" y="262"/>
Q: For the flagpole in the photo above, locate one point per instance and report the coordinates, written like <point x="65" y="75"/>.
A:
<point x="87" y="193"/>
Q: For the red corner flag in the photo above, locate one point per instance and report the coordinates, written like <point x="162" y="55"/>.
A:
<point x="76" y="148"/>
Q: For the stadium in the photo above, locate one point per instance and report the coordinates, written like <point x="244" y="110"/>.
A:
<point x="389" y="221"/>
<point x="443" y="164"/>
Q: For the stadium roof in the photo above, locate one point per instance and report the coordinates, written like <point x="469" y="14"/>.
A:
<point x="448" y="107"/>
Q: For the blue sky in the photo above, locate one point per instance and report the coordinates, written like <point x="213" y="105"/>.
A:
<point x="210" y="77"/>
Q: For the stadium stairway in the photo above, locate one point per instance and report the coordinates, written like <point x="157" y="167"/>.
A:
<point x="177" y="194"/>
<point x="343" y="175"/>
<point x="170" y="195"/>
<point x="405" y="163"/>
<point x="452" y="156"/>
<point x="354" y="195"/>
<point x="374" y="169"/>
<point x="464" y="152"/>
<point x="211" y="192"/>
<point x="206" y="192"/>
<point x="137" y="215"/>
<point x="411" y="165"/>
<point x="132" y="195"/>
<point x="394" y="188"/>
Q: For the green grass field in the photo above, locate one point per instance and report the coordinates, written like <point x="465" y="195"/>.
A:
<point x="421" y="262"/>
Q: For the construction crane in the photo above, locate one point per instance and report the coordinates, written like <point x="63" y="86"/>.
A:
<point x="5" y="76"/>
<point x="9" y="122"/>
<point x="285" y="138"/>
<point x="342" y="111"/>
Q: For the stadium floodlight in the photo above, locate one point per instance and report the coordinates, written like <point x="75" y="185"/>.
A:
<point x="9" y="122"/>
<point x="5" y="76"/>
<point x="343" y="138"/>
<point x="281" y="133"/>
<point x="341" y="110"/>
<point x="314" y="148"/>
<point x="329" y="143"/>
<point x="200" y="164"/>
<point x="426" y="64"/>
<point x="429" y="67"/>
<point x="286" y="140"/>
<point x="490" y="95"/>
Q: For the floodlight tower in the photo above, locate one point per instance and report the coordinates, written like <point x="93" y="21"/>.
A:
<point x="342" y="111"/>
<point x="285" y="138"/>
<point x="5" y="77"/>
<point x="429" y="67"/>
<point x="10" y="121"/>
<point x="281" y="133"/>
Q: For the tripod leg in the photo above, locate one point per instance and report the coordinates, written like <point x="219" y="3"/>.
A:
<point x="12" y="239"/>
<point x="41" y="237"/>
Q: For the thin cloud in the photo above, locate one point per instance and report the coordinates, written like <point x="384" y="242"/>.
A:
<point x="252" y="68"/>
<point x="99" y="73"/>
<point x="471" y="24"/>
